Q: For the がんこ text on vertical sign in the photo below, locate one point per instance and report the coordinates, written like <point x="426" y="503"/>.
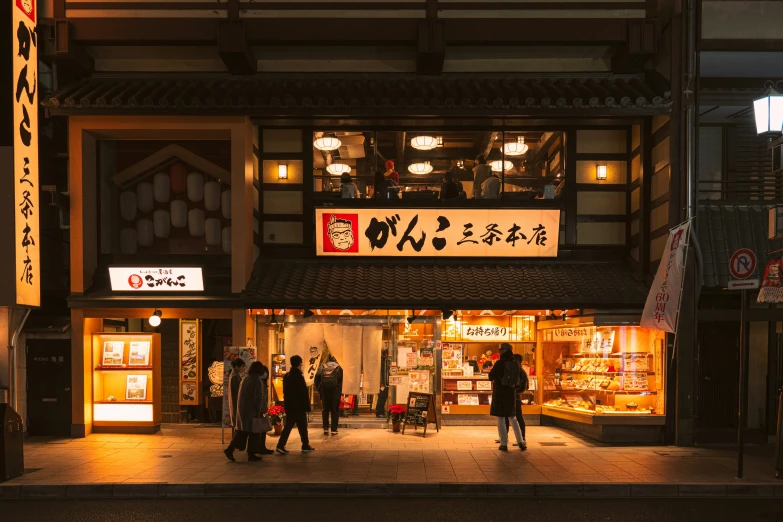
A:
<point x="437" y="232"/>
<point x="25" y="170"/>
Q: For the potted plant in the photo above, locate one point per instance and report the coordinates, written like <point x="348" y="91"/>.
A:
<point x="276" y="414"/>
<point x="395" y="415"/>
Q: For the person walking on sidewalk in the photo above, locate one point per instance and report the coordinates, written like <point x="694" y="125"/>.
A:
<point x="383" y="395"/>
<point x="505" y="378"/>
<point x="329" y="383"/>
<point x="524" y="384"/>
<point x="297" y="405"/>
<point x="251" y="404"/>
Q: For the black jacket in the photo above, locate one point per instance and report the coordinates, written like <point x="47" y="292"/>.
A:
<point x="296" y="398"/>
<point x="337" y="384"/>
<point x="503" y="397"/>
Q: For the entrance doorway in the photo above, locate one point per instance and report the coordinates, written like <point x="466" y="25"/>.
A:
<point x="49" y="387"/>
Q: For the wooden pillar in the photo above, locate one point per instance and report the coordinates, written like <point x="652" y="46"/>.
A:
<point x="646" y="173"/>
<point x="242" y="168"/>
<point x="241" y="327"/>
<point x="570" y="187"/>
<point x="82" y="159"/>
<point x="81" y="371"/>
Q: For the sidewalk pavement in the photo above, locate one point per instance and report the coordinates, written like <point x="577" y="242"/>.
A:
<point x="187" y="461"/>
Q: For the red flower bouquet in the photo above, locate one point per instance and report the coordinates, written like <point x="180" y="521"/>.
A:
<point x="396" y="413"/>
<point x="276" y="414"/>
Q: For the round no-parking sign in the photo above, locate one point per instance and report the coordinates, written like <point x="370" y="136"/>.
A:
<point x="742" y="264"/>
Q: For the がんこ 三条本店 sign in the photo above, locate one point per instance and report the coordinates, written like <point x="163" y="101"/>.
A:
<point x="437" y="232"/>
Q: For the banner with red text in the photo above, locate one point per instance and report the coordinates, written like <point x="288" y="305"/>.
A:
<point x="663" y="301"/>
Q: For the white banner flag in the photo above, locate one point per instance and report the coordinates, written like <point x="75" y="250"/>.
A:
<point x="663" y="301"/>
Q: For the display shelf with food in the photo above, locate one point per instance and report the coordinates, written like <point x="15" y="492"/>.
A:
<point x="126" y="394"/>
<point x="603" y="370"/>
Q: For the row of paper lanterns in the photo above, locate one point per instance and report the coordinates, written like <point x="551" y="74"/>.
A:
<point x="147" y="231"/>
<point x="147" y="194"/>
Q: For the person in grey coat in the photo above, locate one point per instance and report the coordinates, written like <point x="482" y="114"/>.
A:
<point x="251" y="404"/>
<point x="234" y="380"/>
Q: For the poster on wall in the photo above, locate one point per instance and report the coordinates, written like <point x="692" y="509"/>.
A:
<point x="189" y="352"/>
<point x="247" y="354"/>
<point x="139" y="353"/>
<point x="426" y="357"/>
<point x="419" y="381"/>
<point x="189" y="392"/>
<point x="113" y="353"/>
<point x="136" y="388"/>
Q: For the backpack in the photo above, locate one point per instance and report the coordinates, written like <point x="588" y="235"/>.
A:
<point x="524" y="384"/>
<point x="511" y="372"/>
<point x="330" y="378"/>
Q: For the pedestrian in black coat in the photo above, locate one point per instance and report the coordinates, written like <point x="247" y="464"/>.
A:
<point x="504" y="398"/>
<point x="297" y="405"/>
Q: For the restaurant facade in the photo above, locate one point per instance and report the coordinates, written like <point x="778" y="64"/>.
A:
<point x="207" y="221"/>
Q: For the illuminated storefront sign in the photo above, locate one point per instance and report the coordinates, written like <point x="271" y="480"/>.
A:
<point x="25" y="171"/>
<point x="156" y="279"/>
<point x="437" y="232"/>
<point x="472" y="332"/>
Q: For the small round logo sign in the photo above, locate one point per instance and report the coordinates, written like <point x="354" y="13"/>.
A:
<point x="135" y="281"/>
<point x="742" y="264"/>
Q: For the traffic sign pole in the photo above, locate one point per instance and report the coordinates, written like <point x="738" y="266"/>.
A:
<point x="744" y="360"/>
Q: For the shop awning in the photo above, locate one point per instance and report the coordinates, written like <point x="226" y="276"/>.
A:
<point x="724" y="229"/>
<point x="436" y="284"/>
<point x="324" y="95"/>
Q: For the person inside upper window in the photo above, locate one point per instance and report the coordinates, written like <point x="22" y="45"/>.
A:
<point x="391" y="173"/>
<point x="349" y="190"/>
<point x="481" y="172"/>
<point x="385" y="188"/>
<point x="449" y="189"/>
<point x="490" y="189"/>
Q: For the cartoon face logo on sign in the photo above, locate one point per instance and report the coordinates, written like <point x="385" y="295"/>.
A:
<point x="28" y="7"/>
<point x="339" y="231"/>
<point x="135" y="281"/>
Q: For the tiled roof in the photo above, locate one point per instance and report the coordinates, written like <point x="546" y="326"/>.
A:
<point x="724" y="229"/>
<point x="449" y="93"/>
<point x="477" y="284"/>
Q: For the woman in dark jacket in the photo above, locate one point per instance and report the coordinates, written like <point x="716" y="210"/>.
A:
<point x="297" y="404"/>
<point x="503" y="398"/>
<point x="251" y="404"/>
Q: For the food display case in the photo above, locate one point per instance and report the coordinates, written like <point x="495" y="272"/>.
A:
<point x="603" y="375"/>
<point x="126" y="382"/>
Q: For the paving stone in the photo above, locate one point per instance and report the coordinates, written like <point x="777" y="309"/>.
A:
<point x="558" y="490"/>
<point x="702" y="490"/>
<point x="606" y="490"/>
<point x="182" y="490"/>
<point x="136" y="490"/>
<point x="466" y="489"/>
<point x="511" y="490"/>
<point x="10" y="492"/>
<point x="42" y="491"/>
<point x="321" y="489"/>
<point x="750" y="490"/>
<point x="655" y="490"/>
<point x="273" y="489"/>
<point x="229" y="490"/>
<point x="90" y="491"/>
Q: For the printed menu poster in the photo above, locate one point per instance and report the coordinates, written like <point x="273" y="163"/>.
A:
<point x="411" y="359"/>
<point x="426" y="358"/>
<point x="139" y="353"/>
<point x="419" y="381"/>
<point x="136" y="388"/>
<point x="113" y="351"/>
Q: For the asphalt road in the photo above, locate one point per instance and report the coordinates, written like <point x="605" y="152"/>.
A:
<point x="398" y="509"/>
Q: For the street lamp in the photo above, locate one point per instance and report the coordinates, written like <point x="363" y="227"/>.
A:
<point x="768" y="111"/>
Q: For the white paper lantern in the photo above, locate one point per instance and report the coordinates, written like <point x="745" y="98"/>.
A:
<point x="227" y="241"/>
<point x="196" y="222"/>
<point x="162" y="187"/>
<point x="212" y="231"/>
<point x="144" y="196"/>
<point x="128" y="241"/>
<point x="212" y="195"/>
<point x="145" y="232"/>
<point x="162" y="223"/>
<point x="179" y="213"/>
<point x="195" y="186"/>
<point x="225" y="204"/>
<point x="128" y="205"/>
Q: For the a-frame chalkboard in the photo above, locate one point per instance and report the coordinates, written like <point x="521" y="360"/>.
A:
<point x="420" y="411"/>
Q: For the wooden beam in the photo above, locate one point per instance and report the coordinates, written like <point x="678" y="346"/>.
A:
<point x="646" y="174"/>
<point x="642" y="44"/>
<point x="233" y="48"/>
<point x="431" y="52"/>
<point x="570" y="187"/>
<point x="60" y="48"/>
<point x="737" y="45"/>
<point x="399" y="143"/>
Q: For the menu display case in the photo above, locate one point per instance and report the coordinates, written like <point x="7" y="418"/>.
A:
<point x="126" y="382"/>
<point x="603" y="374"/>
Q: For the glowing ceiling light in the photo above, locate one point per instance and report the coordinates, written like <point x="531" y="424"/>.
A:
<point x="425" y="142"/>
<point x="420" y="168"/>
<point x="515" y="148"/>
<point x="336" y="169"/>
<point x="498" y="165"/>
<point x="327" y="143"/>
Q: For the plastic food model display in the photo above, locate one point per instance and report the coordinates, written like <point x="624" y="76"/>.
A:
<point x="605" y="371"/>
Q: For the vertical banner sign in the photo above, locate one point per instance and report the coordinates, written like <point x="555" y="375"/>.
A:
<point x="190" y="355"/>
<point x="25" y="173"/>
<point x="663" y="301"/>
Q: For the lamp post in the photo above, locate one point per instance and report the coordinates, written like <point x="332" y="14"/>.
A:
<point x="768" y="111"/>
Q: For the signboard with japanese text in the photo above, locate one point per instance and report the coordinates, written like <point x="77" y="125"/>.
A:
<point x="156" y="279"/>
<point x="437" y="232"/>
<point x="24" y="85"/>
<point x="568" y="333"/>
<point x="663" y="301"/>
<point x="190" y="367"/>
<point x="472" y="332"/>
